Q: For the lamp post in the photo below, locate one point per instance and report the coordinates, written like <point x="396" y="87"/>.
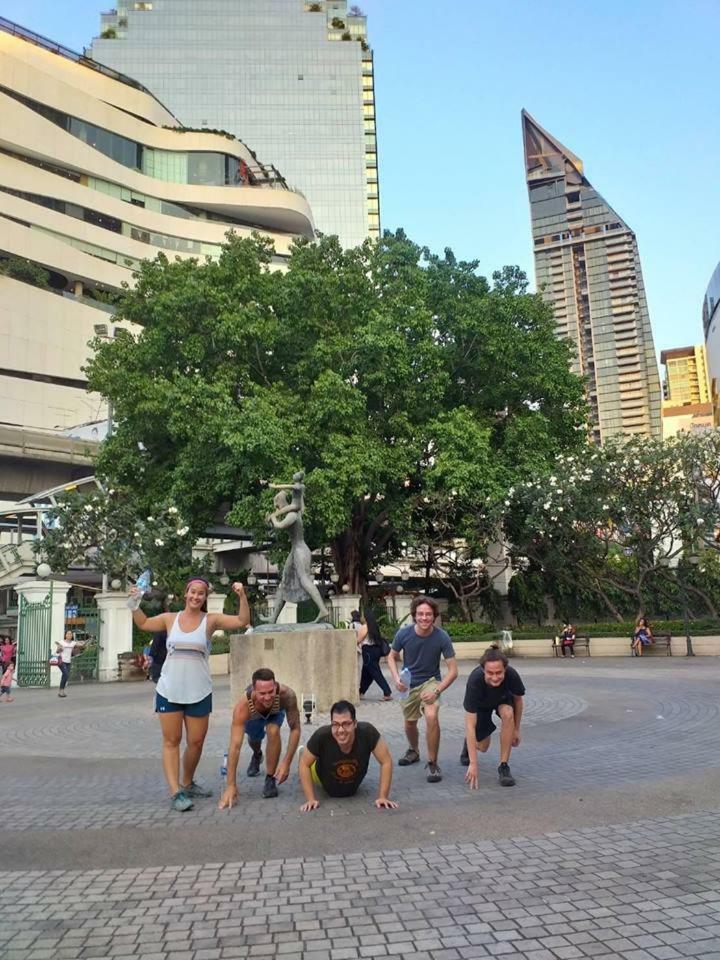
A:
<point x="694" y="560"/>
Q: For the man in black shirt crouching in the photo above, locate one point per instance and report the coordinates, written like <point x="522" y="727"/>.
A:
<point x="337" y="757"/>
<point x="493" y="686"/>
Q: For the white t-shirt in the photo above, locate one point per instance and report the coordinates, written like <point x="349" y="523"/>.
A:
<point x="67" y="649"/>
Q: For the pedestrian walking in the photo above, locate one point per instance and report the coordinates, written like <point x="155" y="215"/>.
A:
<point x="183" y="696"/>
<point x="373" y="647"/>
<point x="422" y="644"/>
<point x="6" y="683"/>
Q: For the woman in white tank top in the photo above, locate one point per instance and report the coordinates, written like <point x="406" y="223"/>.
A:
<point x="184" y="691"/>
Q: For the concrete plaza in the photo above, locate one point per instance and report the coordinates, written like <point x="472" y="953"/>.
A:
<point x="609" y="845"/>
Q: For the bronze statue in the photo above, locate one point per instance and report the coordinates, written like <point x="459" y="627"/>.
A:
<point x="297" y="582"/>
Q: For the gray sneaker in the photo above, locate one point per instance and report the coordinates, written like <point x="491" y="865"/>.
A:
<point x="433" y="772"/>
<point x="181" y="802"/>
<point x="197" y="792"/>
<point x="504" y="776"/>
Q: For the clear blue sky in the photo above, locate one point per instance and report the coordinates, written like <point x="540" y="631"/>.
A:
<point x="630" y="87"/>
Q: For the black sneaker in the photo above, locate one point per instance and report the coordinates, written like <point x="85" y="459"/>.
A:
<point x="270" y="789"/>
<point x="504" y="776"/>
<point x="254" y="766"/>
<point x="433" y="772"/>
<point x="464" y="756"/>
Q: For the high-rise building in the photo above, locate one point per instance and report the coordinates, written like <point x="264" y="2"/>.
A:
<point x="95" y="176"/>
<point x="587" y="266"/>
<point x="711" y="328"/>
<point x="686" y="393"/>
<point x="293" y="79"/>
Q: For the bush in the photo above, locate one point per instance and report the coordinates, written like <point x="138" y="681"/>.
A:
<point x="337" y="23"/>
<point x="698" y="628"/>
<point x="463" y="632"/>
<point x="19" y="268"/>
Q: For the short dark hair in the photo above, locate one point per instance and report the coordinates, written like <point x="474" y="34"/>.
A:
<point x="342" y="706"/>
<point x="493" y="655"/>
<point x="418" y="601"/>
<point x="262" y="673"/>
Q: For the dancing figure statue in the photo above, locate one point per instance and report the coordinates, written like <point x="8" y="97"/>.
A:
<point x="297" y="582"/>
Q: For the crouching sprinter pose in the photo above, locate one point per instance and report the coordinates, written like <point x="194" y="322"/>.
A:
<point x="492" y="687"/>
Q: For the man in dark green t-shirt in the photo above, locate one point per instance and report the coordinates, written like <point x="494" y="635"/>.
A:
<point x="337" y="757"/>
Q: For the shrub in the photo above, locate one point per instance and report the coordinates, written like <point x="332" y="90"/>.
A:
<point x="19" y="268"/>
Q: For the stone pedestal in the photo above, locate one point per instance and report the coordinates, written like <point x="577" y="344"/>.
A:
<point x="35" y="591"/>
<point x="115" y="633"/>
<point x="313" y="661"/>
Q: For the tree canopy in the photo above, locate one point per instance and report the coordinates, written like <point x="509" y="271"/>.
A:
<point x="624" y="523"/>
<point x="394" y="377"/>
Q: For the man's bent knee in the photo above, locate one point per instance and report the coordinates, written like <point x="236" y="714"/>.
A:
<point x="272" y="730"/>
<point x="482" y="745"/>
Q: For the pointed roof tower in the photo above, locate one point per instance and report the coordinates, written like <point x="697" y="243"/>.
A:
<point x="544" y="155"/>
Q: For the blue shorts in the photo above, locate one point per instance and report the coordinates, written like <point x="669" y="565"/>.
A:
<point x="202" y="708"/>
<point x="255" y="727"/>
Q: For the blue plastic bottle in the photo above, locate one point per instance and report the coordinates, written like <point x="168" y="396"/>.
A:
<point x="223" y="766"/>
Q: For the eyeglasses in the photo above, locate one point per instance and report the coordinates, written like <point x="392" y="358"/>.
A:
<point x="345" y="725"/>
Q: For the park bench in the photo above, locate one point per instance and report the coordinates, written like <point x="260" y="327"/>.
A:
<point x="581" y="640"/>
<point x="661" y="644"/>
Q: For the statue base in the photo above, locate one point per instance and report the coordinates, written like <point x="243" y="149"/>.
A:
<point x="292" y="627"/>
<point x="314" y="662"/>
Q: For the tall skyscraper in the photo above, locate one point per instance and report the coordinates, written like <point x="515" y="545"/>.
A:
<point x="587" y="266"/>
<point x="291" y="78"/>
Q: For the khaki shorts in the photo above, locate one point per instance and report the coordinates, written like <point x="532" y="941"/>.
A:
<point x="413" y="706"/>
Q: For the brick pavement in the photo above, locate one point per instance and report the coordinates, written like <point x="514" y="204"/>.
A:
<point x="643" y="890"/>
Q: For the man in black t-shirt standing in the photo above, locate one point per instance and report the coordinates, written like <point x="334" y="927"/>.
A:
<point x="493" y="686"/>
<point x="337" y="757"/>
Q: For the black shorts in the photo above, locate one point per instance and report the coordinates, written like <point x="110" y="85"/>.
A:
<point x="484" y="726"/>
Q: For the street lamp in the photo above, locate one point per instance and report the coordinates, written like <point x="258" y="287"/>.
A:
<point x="252" y="580"/>
<point x="693" y="560"/>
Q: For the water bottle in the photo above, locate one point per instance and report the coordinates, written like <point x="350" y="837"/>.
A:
<point x="223" y="766"/>
<point x="405" y="678"/>
<point x="142" y="585"/>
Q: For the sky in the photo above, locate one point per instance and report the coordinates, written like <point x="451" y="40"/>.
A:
<point x="629" y="86"/>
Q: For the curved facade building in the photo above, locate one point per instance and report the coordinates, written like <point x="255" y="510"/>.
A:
<point x="711" y="327"/>
<point x="95" y="176"/>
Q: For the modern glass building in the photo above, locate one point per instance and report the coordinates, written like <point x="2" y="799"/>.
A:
<point x="95" y="176"/>
<point x="587" y="266"/>
<point x="711" y="327"/>
<point x="292" y="78"/>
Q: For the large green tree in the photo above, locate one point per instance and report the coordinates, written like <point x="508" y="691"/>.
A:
<point x="389" y="374"/>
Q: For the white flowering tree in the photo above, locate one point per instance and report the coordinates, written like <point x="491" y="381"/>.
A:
<point x="618" y="521"/>
<point x="104" y="531"/>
